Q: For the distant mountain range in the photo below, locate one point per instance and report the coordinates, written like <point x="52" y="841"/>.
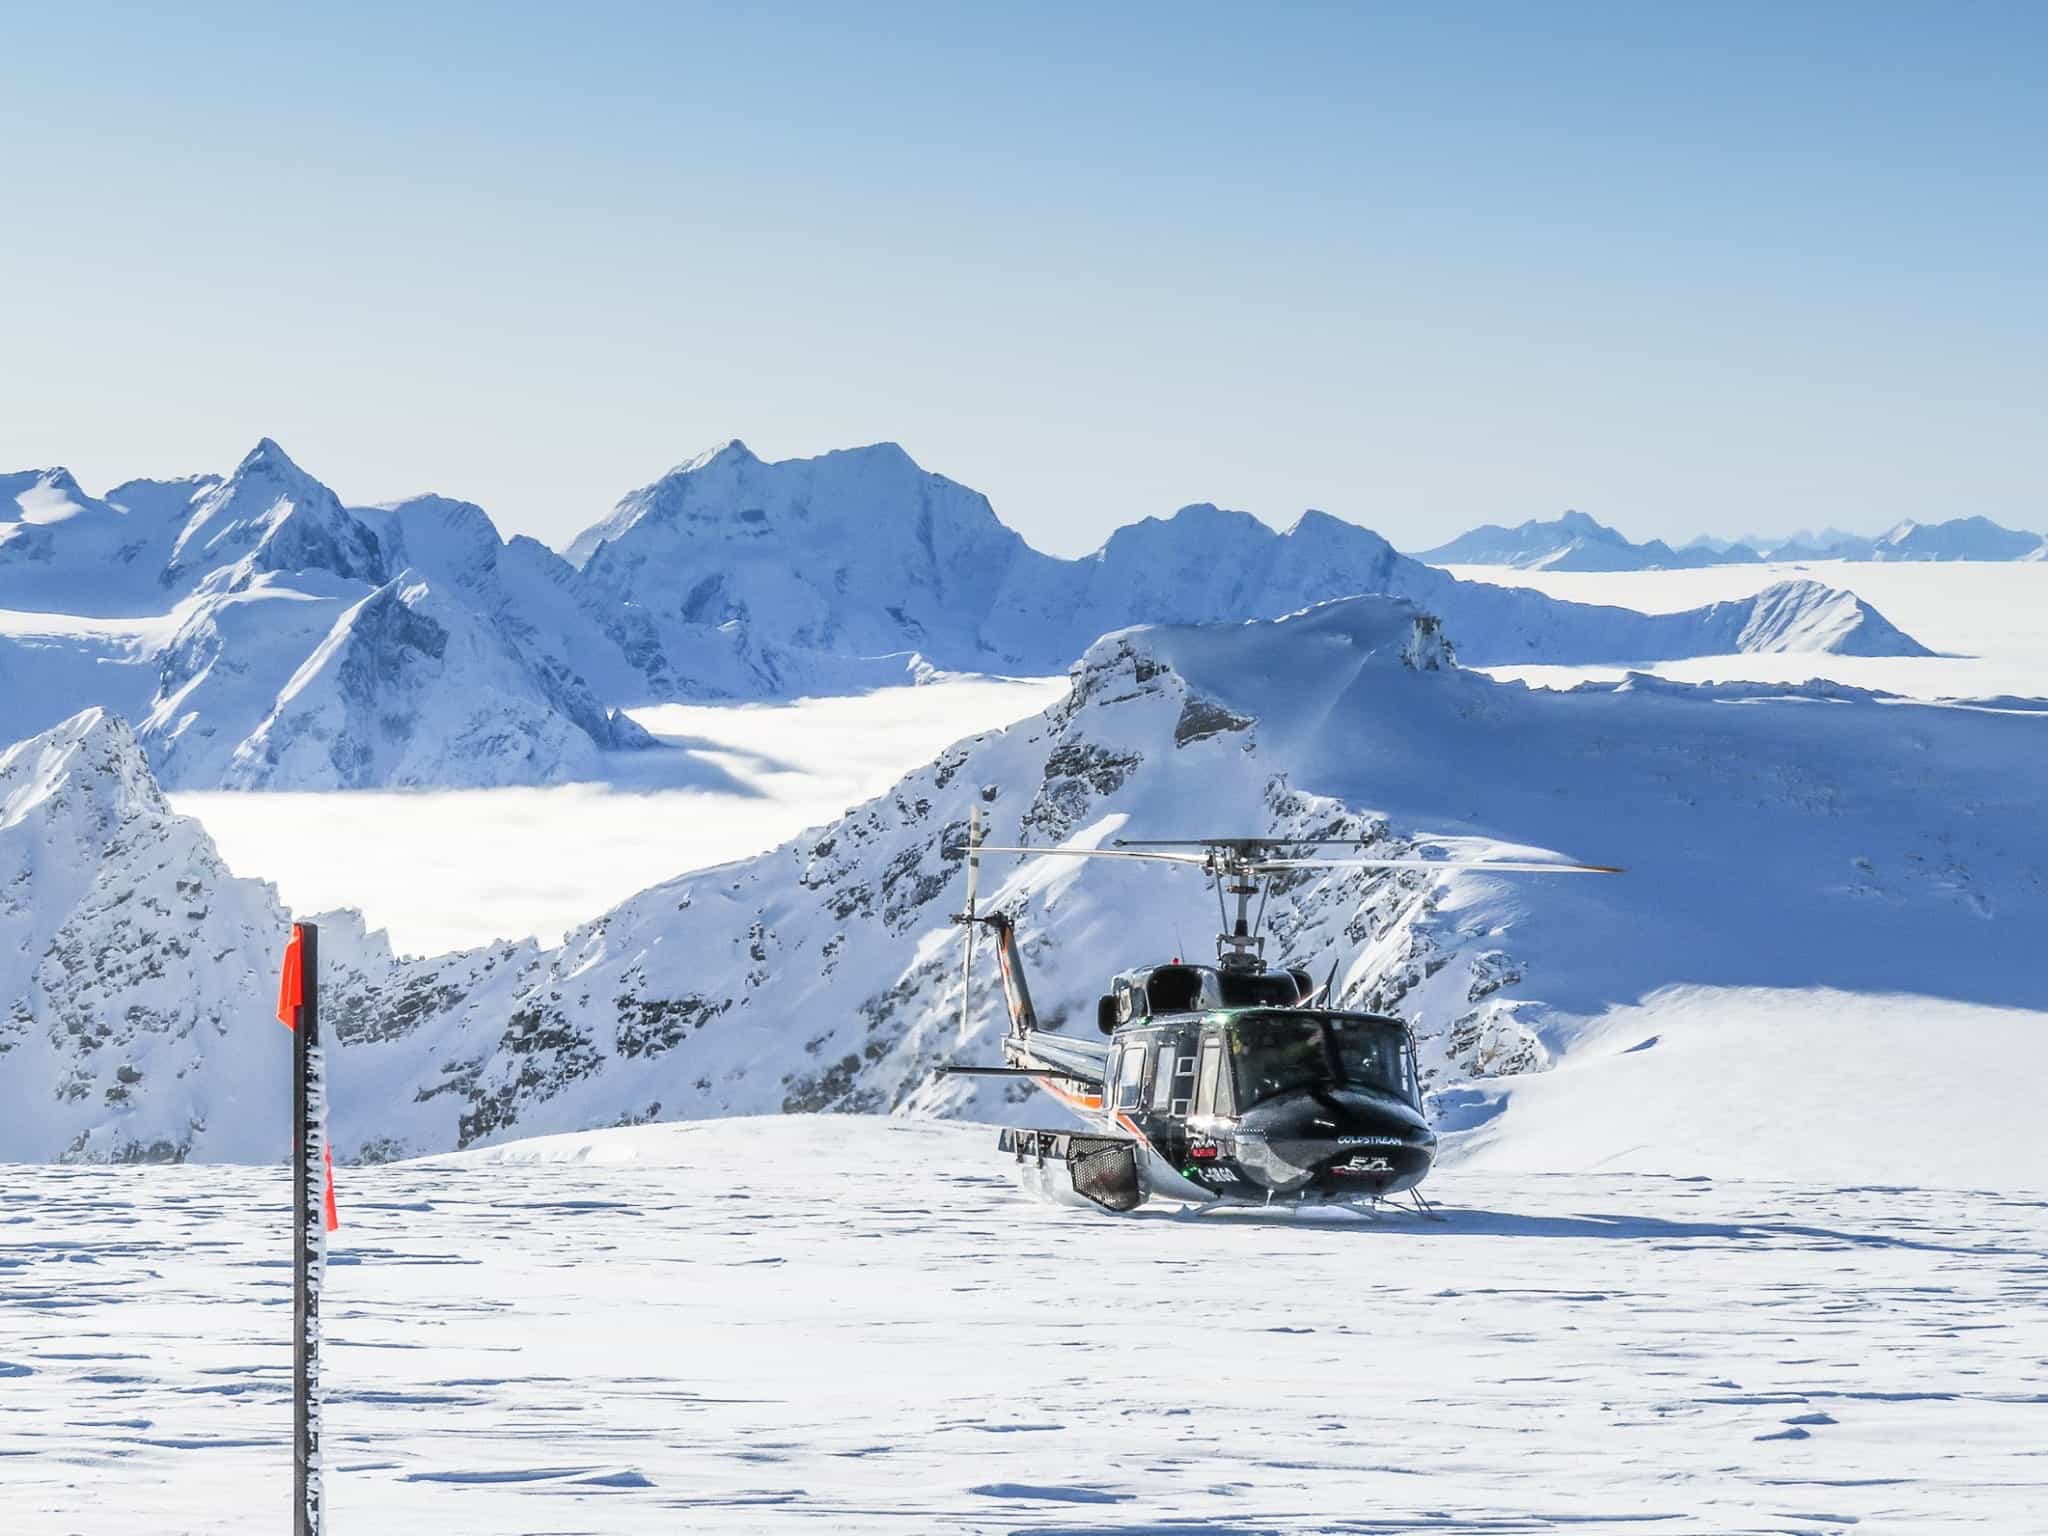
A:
<point x="1576" y="542"/>
<point x="260" y="634"/>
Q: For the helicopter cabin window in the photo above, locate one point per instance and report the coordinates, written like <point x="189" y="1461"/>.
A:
<point x="1174" y="989"/>
<point x="1273" y="989"/>
<point x="1278" y="1054"/>
<point x="1130" y="1002"/>
<point x="1130" y="1077"/>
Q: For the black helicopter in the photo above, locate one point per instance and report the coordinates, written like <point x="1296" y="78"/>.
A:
<point x="1225" y="1084"/>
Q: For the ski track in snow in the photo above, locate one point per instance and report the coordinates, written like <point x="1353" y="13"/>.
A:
<point x="763" y="1325"/>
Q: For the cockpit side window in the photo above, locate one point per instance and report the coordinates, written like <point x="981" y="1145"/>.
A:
<point x="1205" y="1082"/>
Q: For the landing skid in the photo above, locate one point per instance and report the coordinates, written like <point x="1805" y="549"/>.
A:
<point x="1415" y="1205"/>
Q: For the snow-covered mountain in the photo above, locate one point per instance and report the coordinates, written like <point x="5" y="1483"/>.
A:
<point x="745" y="577"/>
<point x="1797" y="837"/>
<point x="262" y="634"/>
<point x="65" y="551"/>
<point x="1576" y="542"/>
<point x="1961" y="538"/>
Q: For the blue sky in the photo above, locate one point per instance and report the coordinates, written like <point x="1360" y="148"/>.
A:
<point x="1713" y="267"/>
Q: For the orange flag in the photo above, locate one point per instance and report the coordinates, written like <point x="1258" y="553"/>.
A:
<point x="333" y="1216"/>
<point x="291" y="986"/>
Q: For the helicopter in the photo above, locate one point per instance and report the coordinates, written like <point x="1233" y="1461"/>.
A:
<point x="1233" y="1084"/>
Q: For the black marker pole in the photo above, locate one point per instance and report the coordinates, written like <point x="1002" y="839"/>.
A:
<point x="309" y="1244"/>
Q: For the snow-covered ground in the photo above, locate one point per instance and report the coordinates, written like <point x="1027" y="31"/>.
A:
<point x="1988" y="621"/>
<point x="450" y="869"/>
<point x="777" y="1324"/>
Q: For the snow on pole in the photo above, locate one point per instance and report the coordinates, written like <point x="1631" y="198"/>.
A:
<point x="313" y="1213"/>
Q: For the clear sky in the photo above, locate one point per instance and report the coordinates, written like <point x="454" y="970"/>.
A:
<point x="1721" y="267"/>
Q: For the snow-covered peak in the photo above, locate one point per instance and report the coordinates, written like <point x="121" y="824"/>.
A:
<point x="92" y="758"/>
<point x="1961" y="538"/>
<point x="1575" y="541"/>
<point x="451" y="539"/>
<point x="731" y="451"/>
<point x="414" y="686"/>
<point x="64" y="551"/>
<point x="40" y="496"/>
<point x="729" y="494"/>
<point x="1201" y="527"/>
<point x="273" y="516"/>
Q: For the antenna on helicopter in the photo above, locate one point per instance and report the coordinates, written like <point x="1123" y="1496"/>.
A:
<point x="1241" y="868"/>
<point x="973" y="879"/>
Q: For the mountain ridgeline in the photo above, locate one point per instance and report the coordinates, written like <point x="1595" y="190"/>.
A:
<point x="1576" y="542"/>
<point x="259" y="634"/>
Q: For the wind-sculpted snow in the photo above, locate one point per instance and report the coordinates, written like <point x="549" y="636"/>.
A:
<point x="803" y="1323"/>
<point x="1776" y="838"/>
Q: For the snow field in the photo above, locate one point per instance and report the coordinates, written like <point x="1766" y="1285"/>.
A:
<point x="763" y="1325"/>
<point x="1764" y="1083"/>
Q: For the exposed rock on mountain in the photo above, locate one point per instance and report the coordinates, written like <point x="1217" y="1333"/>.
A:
<point x="412" y="687"/>
<point x="271" y="516"/>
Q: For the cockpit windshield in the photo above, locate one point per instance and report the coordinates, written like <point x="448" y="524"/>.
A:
<point x="1278" y="1053"/>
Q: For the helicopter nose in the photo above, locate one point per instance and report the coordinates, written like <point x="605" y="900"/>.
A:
<point x="1336" y="1146"/>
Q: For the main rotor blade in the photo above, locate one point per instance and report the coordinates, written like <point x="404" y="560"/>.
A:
<point x="1510" y="866"/>
<point x="1197" y="860"/>
<point x="1239" y="842"/>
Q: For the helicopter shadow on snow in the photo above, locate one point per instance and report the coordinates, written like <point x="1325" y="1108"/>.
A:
<point x="1472" y="1221"/>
